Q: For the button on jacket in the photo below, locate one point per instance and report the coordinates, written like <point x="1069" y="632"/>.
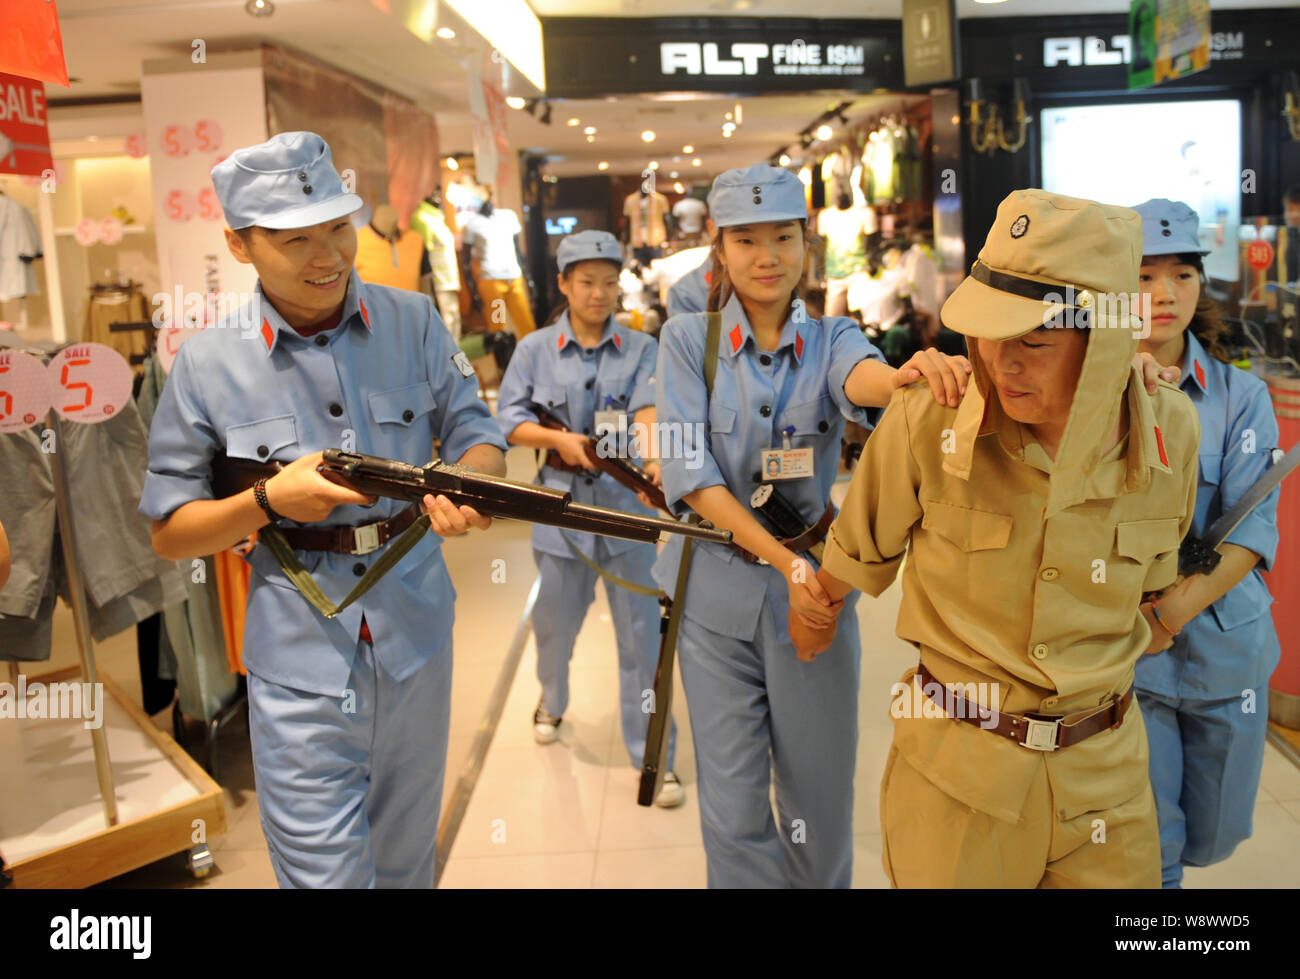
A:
<point x="252" y="386"/>
<point x="551" y="370"/>
<point x="1231" y="646"/>
<point x="1022" y="572"/>
<point x="756" y="395"/>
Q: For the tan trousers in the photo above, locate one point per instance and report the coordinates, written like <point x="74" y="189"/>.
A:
<point x="933" y="841"/>
<point x="506" y="296"/>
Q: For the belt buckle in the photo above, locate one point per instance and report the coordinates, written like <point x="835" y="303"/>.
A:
<point x="365" y="539"/>
<point x="1040" y="733"/>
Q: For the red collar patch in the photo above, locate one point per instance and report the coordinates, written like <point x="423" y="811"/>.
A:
<point x="736" y="338"/>
<point x="798" y="344"/>
<point x="560" y="344"/>
<point x="364" y="315"/>
<point x="1200" y="372"/>
<point x="267" y="334"/>
<point x="618" y="341"/>
<point x="1160" y="444"/>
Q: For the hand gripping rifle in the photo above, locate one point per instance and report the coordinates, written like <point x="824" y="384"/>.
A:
<point x="625" y="472"/>
<point x="491" y="496"/>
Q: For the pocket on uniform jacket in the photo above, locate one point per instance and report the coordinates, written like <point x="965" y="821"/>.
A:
<point x="262" y="439"/>
<point x="549" y="396"/>
<point x="811" y="418"/>
<point x="401" y="406"/>
<point x="1211" y="467"/>
<point x="1243" y="604"/>
<point x="721" y="418"/>
<point x="970" y="530"/>
<point x="1153" y="543"/>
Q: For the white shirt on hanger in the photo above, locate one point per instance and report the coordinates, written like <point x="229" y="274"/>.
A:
<point x="18" y="238"/>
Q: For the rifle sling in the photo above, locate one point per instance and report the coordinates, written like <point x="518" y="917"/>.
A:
<point x="306" y="584"/>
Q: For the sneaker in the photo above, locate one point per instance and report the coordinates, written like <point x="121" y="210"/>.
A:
<point x="545" y="726"/>
<point x="671" y="794"/>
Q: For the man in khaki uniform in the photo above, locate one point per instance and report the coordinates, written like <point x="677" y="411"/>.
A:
<point x="1038" y="513"/>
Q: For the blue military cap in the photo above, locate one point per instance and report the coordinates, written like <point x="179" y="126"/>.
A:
<point x="287" y="182"/>
<point x="586" y="245"/>
<point x="1169" y="228"/>
<point x="755" y="194"/>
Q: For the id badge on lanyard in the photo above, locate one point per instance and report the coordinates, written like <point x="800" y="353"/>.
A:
<point x="787" y="462"/>
<point x="607" y="419"/>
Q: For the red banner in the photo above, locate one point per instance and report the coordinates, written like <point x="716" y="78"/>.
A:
<point x="30" y="43"/>
<point x="24" y="127"/>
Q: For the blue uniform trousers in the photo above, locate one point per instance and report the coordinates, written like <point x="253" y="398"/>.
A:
<point x="350" y="787"/>
<point x="1206" y="759"/>
<point x="761" y="716"/>
<point x="568" y="587"/>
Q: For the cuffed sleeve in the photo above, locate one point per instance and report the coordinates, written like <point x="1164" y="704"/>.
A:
<point x="682" y="411"/>
<point x="1247" y="456"/>
<point x="465" y="420"/>
<point x="643" y="384"/>
<point x="850" y="347"/>
<point x="182" y="442"/>
<point x="515" y="397"/>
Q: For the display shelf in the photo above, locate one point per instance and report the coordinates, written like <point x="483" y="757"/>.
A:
<point x="53" y="831"/>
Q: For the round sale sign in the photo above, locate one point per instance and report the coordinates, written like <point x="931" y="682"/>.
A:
<point x="89" y="382"/>
<point x="1259" y="254"/>
<point x="24" y="391"/>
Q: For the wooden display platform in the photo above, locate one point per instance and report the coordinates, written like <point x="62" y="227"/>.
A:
<point x="52" y="824"/>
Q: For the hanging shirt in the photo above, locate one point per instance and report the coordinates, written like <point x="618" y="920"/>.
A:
<point x="690" y="294"/>
<point x="1231" y="646"/>
<point x="645" y="215"/>
<point x="20" y="244"/>
<point x="385" y="262"/>
<point x="690" y="213"/>
<point x="756" y="394"/>
<point x="385" y="382"/>
<point x="550" y="369"/>
<point x="846" y="252"/>
<point x="492" y="239"/>
<point x="440" y="243"/>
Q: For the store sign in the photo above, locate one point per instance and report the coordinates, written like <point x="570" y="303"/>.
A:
<point x="1078" y="52"/>
<point x="930" y="48"/>
<point x="24" y="127"/>
<point x="1171" y="40"/>
<point x="794" y="58"/>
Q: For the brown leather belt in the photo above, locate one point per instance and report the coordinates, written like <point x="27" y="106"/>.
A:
<point x="361" y="539"/>
<point x="1038" y="732"/>
<point x="811" y="537"/>
<point x="556" y="461"/>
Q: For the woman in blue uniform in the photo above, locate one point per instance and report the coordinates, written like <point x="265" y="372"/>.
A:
<point x="1204" y="691"/>
<point x="585" y="371"/>
<point x="783" y="382"/>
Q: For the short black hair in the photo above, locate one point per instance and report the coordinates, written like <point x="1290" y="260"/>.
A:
<point x="1292" y="195"/>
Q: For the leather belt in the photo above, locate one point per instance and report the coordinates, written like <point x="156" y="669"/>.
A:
<point x="811" y="537"/>
<point x="556" y="461"/>
<point x="1038" y="732"/>
<point x="361" y="539"/>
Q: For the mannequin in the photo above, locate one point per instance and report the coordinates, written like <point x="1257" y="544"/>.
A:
<point x="440" y="243"/>
<point x="647" y="229"/>
<point x="491" y="250"/>
<point x="388" y="256"/>
<point x="845" y="229"/>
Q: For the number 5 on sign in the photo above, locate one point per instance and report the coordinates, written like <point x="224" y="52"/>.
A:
<point x="24" y="391"/>
<point x="90" y="382"/>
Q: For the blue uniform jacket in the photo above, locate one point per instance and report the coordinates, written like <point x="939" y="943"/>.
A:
<point x="1232" y="646"/>
<point x="387" y="381"/>
<point x="551" y="370"/>
<point x="756" y="394"/>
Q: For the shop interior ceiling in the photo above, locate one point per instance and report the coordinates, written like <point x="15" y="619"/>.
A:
<point x="889" y="9"/>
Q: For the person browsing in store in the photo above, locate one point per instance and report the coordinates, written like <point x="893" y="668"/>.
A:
<point x="1204" y="689"/>
<point x="587" y="372"/>
<point x="348" y="715"/>
<point x="780" y="380"/>
<point x="1035" y="516"/>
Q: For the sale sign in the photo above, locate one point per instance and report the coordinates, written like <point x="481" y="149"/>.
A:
<point x="24" y="391"/>
<point x="30" y="43"/>
<point x="24" y="127"/>
<point x="1259" y="254"/>
<point x="89" y="382"/>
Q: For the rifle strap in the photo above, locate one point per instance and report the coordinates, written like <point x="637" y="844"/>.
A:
<point x="302" y="579"/>
<point x="609" y="576"/>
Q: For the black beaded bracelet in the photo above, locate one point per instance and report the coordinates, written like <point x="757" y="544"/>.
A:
<point x="259" y="494"/>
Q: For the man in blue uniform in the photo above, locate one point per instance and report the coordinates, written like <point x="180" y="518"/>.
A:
<point x="348" y="714"/>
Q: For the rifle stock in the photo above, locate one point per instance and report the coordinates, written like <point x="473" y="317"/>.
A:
<point x="625" y="472"/>
<point x="491" y="496"/>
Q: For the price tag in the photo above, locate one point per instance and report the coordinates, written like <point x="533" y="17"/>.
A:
<point x="24" y="390"/>
<point x="89" y="382"/>
<point x="1259" y="254"/>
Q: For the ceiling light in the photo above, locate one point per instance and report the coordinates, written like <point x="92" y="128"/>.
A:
<point x="740" y="115"/>
<point x="696" y="162"/>
<point x="591" y="138"/>
<point x="453" y="163"/>
<point x="446" y="33"/>
<point x="648" y="136"/>
<point x="673" y="176"/>
<point x="515" y="102"/>
<point x="785" y="160"/>
<point x="260" y="8"/>
<point x="574" y="121"/>
<point x="824" y="132"/>
<point x="727" y="116"/>
<point x="726" y="134"/>
<point x="728" y="126"/>
<point x="590" y="130"/>
<point x="688" y="150"/>
<point x="602" y="165"/>
<point x="654" y="164"/>
<point x="679" y="188"/>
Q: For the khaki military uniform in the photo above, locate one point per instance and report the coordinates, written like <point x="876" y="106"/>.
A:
<point x="1025" y="575"/>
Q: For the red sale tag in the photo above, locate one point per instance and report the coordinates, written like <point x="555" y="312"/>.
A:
<point x="24" y="390"/>
<point x="1259" y="254"/>
<point x="24" y="126"/>
<point x="90" y="382"/>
